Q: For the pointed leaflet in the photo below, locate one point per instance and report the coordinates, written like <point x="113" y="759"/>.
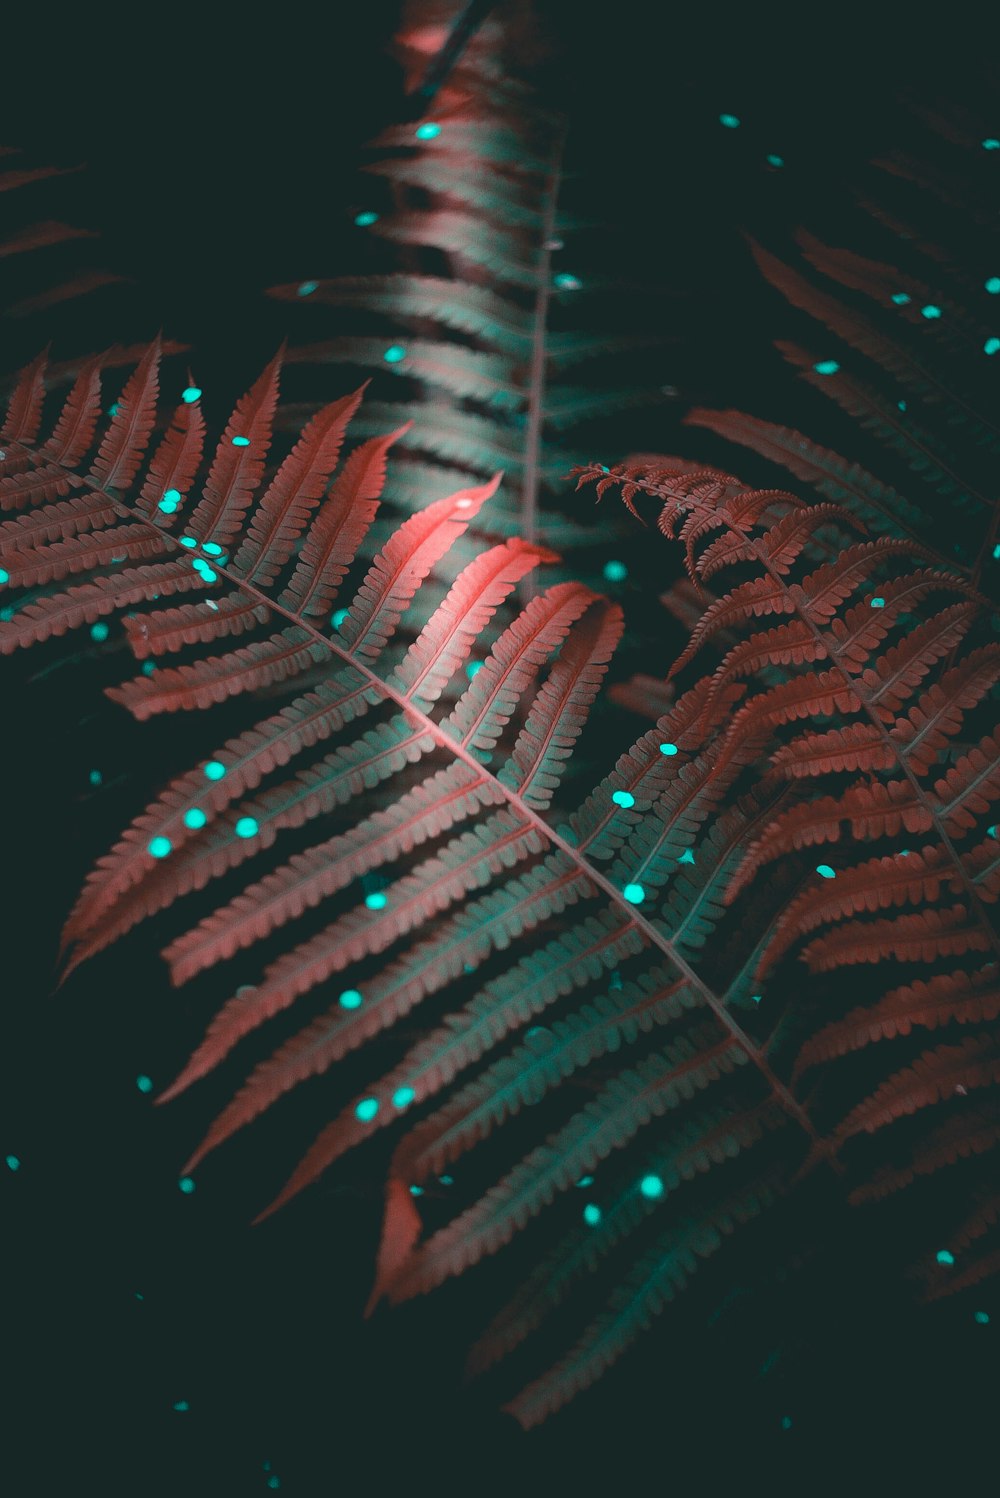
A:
<point x="238" y="464"/>
<point x="175" y="463"/>
<point x="124" y="443"/>
<point x="24" y="410"/>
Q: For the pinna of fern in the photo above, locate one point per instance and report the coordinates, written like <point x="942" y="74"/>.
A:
<point x="464" y="319"/>
<point x="883" y="730"/>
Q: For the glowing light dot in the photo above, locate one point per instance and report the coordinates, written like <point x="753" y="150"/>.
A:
<point x="99" y="632"/>
<point x="181" y="1406"/>
<point x="634" y="894"/>
<point x="585" y="1181"/>
<point x="350" y="999"/>
<point x="306" y="288"/>
<point x="339" y="618"/>
<point x="686" y="857"/>
<point x="190" y="395"/>
<point x="194" y="818"/>
<point x="377" y="901"/>
<point x="944" y="1257"/>
<point x="366" y="1109"/>
<point x="615" y="572"/>
<point x="95" y="777"/>
<point x="981" y="1318"/>
<point x="991" y="144"/>
<point x="566" y="282"/>
<point x="189" y="542"/>
<point x="394" y="353"/>
<point x="430" y="131"/>
<point x="4" y="576"/>
<point x="878" y="603"/>
<point x="113" y="409"/>
<point x="993" y="285"/>
<point x="13" y="1163"/>
<point x="447" y="1180"/>
<point x="994" y="831"/>
<point x="651" y="1187"/>
<point x="901" y="299"/>
<point x="591" y="1215"/>
<point x="930" y="311"/>
<point x="668" y="749"/>
<point x="730" y="121"/>
<point x="991" y="346"/>
<point x="144" y="1084"/>
<point x="416" y="1190"/>
<point x="274" y="1482"/>
<point x="214" y="770"/>
<point x="996" y="553"/>
<point x="205" y="572"/>
<point x="474" y="668"/>
<point x="786" y="1422"/>
<point x="901" y="405"/>
<point x="756" y="998"/>
<point x="160" y="847"/>
<point x="464" y="504"/>
<point x="364" y="219"/>
<point x="213" y="548"/>
<point x="171" y="499"/>
<point x="186" y="1185"/>
<point x="775" y="161"/>
<point x="623" y="798"/>
<point x="826" y="366"/>
<point x="241" y="441"/>
<point x="246" y="827"/>
<point x="825" y="872"/>
<point x="403" y="1097"/>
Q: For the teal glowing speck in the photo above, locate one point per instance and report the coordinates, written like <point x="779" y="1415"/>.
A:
<point x="13" y="1163"/>
<point x="214" y="770"/>
<point x="274" y="1482"/>
<point x="585" y="1181"/>
<point x="144" y="1084"/>
<point x="651" y="1187"/>
<point x="901" y="405"/>
<point x="447" y="1180"/>
<point x="565" y="282"/>
<point x="160" y="847"/>
<point x="181" y="1406"/>
<point x="756" y="998"/>
<point x="623" y="798"/>
<point x="363" y="220"/>
<point x="213" y="548"/>
<point x="99" y="632"/>
<point x="190" y="395"/>
<point x="429" y="131"/>
<point x="668" y="748"/>
<point x="825" y="872"/>
<point x="993" y="285"/>
<point x="944" y="1257"/>
<point x="194" y="818"/>
<point x="95" y="777"/>
<point x="186" y="1185"/>
<point x="403" y="1097"/>
<point x="246" y="827"/>
<point x="4" y="576"/>
<point x="786" y="1422"/>
<point x="350" y="999"/>
<point x="306" y="288"/>
<point x="189" y="542"/>
<point x="901" y="299"/>
<point x="171" y="499"/>
<point x="994" y="831"/>
<point x="775" y="161"/>
<point x="394" y="353"/>
<point x="826" y="366"/>
<point x="615" y="572"/>
<point x="981" y="1318"/>
<point x="113" y="409"/>
<point x="930" y="311"/>
<point x="731" y="121"/>
<point x="474" y="668"/>
<point x="241" y="441"/>
<point x="634" y="894"/>
<point x="591" y="1215"/>
<point x="991" y="144"/>
<point x="991" y="346"/>
<point x="366" y="1109"/>
<point x="416" y="1190"/>
<point x="878" y="603"/>
<point x="996" y="553"/>
<point x="339" y="618"/>
<point x="205" y="572"/>
<point x="377" y="901"/>
<point x="686" y="857"/>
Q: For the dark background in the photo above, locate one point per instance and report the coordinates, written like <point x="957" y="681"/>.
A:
<point x="221" y="156"/>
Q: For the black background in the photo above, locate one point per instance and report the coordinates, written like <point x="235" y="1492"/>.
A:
<point x="221" y="154"/>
